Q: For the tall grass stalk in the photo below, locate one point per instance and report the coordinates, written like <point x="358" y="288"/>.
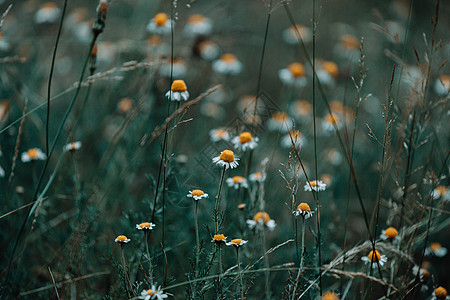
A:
<point x="197" y="240"/>
<point x="300" y="270"/>
<point x="216" y="208"/>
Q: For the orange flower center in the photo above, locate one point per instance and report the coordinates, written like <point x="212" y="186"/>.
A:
<point x="261" y="216"/>
<point x="445" y="79"/>
<point x="303" y="107"/>
<point x="125" y="104"/>
<point x="222" y="133"/>
<point x="197" y="193"/>
<point x="238" y="179"/>
<point x="391" y="233"/>
<point x="301" y="30"/>
<point x="236" y="241"/>
<point x="304" y="207"/>
<point x="441" y="190"/>
<point x="121" y="238"/>
<point x="227" y="156"/>
<point x="33" y="153"/>
<point x="145" y="225"/>
<point x="197" y="18"/>
<point x="150" y="292"/>
<point x="245" y="137"/>
<point x="241" y="206"/>
<point x="336" y="106"/>
<point x="374" y="256"/>
<point x="219" y="237"/>
<point x="332" y="118"/>
<point x="179" y="86"/>
<point x="330" y="296"/>
<point x="435" y="246"/>
<point x="331" y="68"/>
<point x="280" y="116"/>
<point x="49" y="5"/>
<point x="160" y="19"/>
<point x="440" y="293"/>
<point x="228" y="58"/>
<point x="296" y="69"/>
<point x="349" y="41"/>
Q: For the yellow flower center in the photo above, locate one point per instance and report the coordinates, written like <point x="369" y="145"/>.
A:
<point x="349" y="41"/>
<point x="280" y="116"/>
<point x="245" y="137"/>
<point x="236" y="241"/>
<point x="391" y="233"/>
<point x="441" y="190"/>
<point x="331" y="68"/>
<point x="125" y="104"/>
<point x="330" y="296"/>
<point x="303" y="107"/>
<point x="332" y="118"/>
<point x="374" y="256"/>
<point x="160" y="19"/>
<point x="228" y="58"/>
<point x="241" y="206"/>
<point x="197" y="193"/>
<point x="258" y="175"/>
<point x="261" y="216"/>
<point x="440" y="293"/>
<point x="221" y="133"/>
<point x="227" y="156"/>
<point x="296" y="69"/>
<point x="150" y="292"/>
<point x="197" y="18"/>
<point x="121" y="238"/>
<point x="145" y="225"/>
<point x="179" y="86"/>
<point x="435" y="246"/>
<point x="33" y="153"/>
<point x="445" y="79"/>
<point x="336" y="106"/>
<point x="219" y="237"/>
<point x="238" y="179"/>
<point x="304" y="207"/>
<point x="313" y="183"/>
<point x="49" y="5"/>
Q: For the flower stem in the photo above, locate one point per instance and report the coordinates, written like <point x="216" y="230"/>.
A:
<point x="301" y="258"/>
<point x="150" y="266"/>
<point x="216" y="211"/>
<point x="125" y="270"/>
<point x="197" y="257"/>
<point x="240" y="273"/>
<point x="266" y="263"/>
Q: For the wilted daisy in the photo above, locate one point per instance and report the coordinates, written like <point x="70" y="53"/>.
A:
<point x="219" y="134"/>
<point x="197" y="194"/>
<point x="198" y="25"/>
<point x="317" y="185"/>
<point x="278" y="122"/>
<point x="245" y="141"/>
<point x="290" y="34"/>
<point x="237" y="182"/>
<point x="390" y="233"/>
<point x="442" y="85"/>
<point x="303" y="210"/>
<point x="257" y="177"/>
<point x="227" y="159"/>
<point x="301" y="110"/>
<point x="327" y="73"/>
<point x="441" y="192"/>
<point x="262" y="218"/>
<point x="176" y="69"/>
<point x="145" y="226"/>
<point x="348" y="47"/>
<point x="440" y="293"/>
<point x="47" y="13"/>
<point x="122" y="239"/>
<point x="373" y="258"/>
<point x="219" y="239"/>
<point x="33" y="154"/>
<point x="227" y="64"/>
<point x="153" y="293"/>
<point x="436" y="249"/>
<point x="329" y="296"/>
<point x="160" y="24"/>
<point x="207" y="50"/>
<point x="237" y="243"/>
<point x="294" y="74"/>
<point x="178" y="91"/>
<point x="329" y="121"/>
<point x="72" y="146"/>
<point x="297" y="138"/>
<point x="125" y="105"/>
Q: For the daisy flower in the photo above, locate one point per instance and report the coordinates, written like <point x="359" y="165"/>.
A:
<point x="227" y="159"/>
<point x="303" y="210"/>
<point x="227" y="64"/>
<point x="441" y="192"/>
<point x="237" y="243"/>
<point x="440" y="293"/>
<point x="125" y="105"/>
<point x="329" y="296"/>
<point x="47" y="13"/>
<point x="262" y="218"/>
<point x="257" y="177"/>
<point x="4" y="44"/>
<point x="436" y="249"/>
<point x="329" y="121"/>
<point x="390" y="233"/>
<point x="294" y="74"/>
<point x="72" y="146"/>
<point x="442" y="85"/>
<point x="207" y="50"/>
<point x="145" y="226"/>
<point x="106" y="52"/>
<point x="177" y="68"/>
<point x="219" y="239"/>
<point x="290" y="36"/>
<point x="219" y="134"/>
<point x="178" y="91"/>
<point x="246" y="104"/>
<point x="122" y="239"/>
<point x="327" y="179"/>
<point x="373" y="258"/>
<point x="278" y="122"/>
<point x="301" y="110"/>
<point x="327" y="73"/>
<point x="153" y="293"/>
<point x="333" y="156"/>
<point x="197" y="194"/>
<point x="424" y="274"/>
<point x="198" y="25"/>
<point x="237" y="182"/>
<point x="33" y="154"/>
<point x="297" y="137"/>
<point x="245" y="141"/>
<point x="413" y="76"/>
<point x="316" y="185"/>
<point x="160" y="24"/>
<point x="348" y="47"/>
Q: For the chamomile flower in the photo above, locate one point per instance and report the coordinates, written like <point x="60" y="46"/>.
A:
<point x="348" y="47"/>
<point x="177" y="68"/>
<point x="333" y="156"/>
<point x="290" y="35"/>
<point x="227" y="64"/>
<point x="207" y="50"/>
<point x="317" y="185"/>
<point x="237" y="182"/>
<point x="329" y="296"/>
<point x="441" y="192"/>
<point x="178" y="91"/>
<point x="260" y="219"/>
<point x="122" y="239"/>
<point x="390" y="233"/>
<point x="327" y="179"/>
<point x="219" y="239"/>
<point x="424" y="274"/>
<point x="4" y="44"/>
<point x="245" y="141"/>
<point x="436" y="249"/>
<point x="297" y="138"/>
<point x="160" y="24"/>
<point x="198" y="25"/>
<point x="440" y="293"/>
<point x="330" y="121"/>
<point x="47" y="13"/>
<point x="197" y="194"/>
<point x="145" y="226"/>
<point x="257" y="177"/>
<point x="237" y="243"/>
<point x="293" y="75"/>
<point x="442" y="85"/>
<point x="303" y="210"/>
<point x="73" y="146"/>
<point x="278" y="122"/>
<point x="227" y="159"/>
<point x="219" y="134"/>
<point x="373" y="258"/>
<point x="33" y="154"/>
<point x="301" y="110"/>
<point x="153" y="293"/>
<point x="247" y="105"/>
<point x="125" y="105"/>
<point x="327" y="73"/>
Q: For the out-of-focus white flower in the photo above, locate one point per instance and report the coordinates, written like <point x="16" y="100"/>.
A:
<point x="33" y="154"/>
<point x="207" y="50"/>
<point x="198" y="25"/>
<point x="260" y="219"/>
<point x="237" y="182"/>
<point x="293" y="75"/>
<point x="227" y="64"/>
<point x="160" y="24"/>
<point x="436" y="249"/>
<point x="47" y="13"/>
<point x="316" y="185"/>
<point x="245" y="141"/>
<point x="442" y="85"/>
<point x="290" y="35"/>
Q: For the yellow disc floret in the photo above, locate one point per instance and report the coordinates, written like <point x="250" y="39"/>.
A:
<point x="349" y="41"/>
<point x="238" y="179"/>
<point x="197" y="193"/>
<point x="391" y="233"/>
<point x="261" y="216"/>
<point x="228" y="58"/>
<point x="304" y="207"/>
<point x="331" y="68"/>
<point x="245" y="137"/>
<point x="121" y="238"/>
<point x="179" y="86"/>
<point x="296" y="69"/>
<point x="330" y="296"/>
<point x="160" y="19"/>
<point x="227" y="156"/>
<point x="219" y="238"/>
<point x="236" y="241"/>
<point x="33" y="153"/>
<point x="197" y="18"/>
<point x="374" y="256"/>
<point x="440" y="293"/>
<point x="435" y="246"/>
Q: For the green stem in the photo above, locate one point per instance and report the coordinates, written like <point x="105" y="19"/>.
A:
<point x="240" y="273"/>
<point x="301" y="258"/>
<point x="216" y="210"/>
<point x="197" y="257"/>
<point x="150" y="266"/>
